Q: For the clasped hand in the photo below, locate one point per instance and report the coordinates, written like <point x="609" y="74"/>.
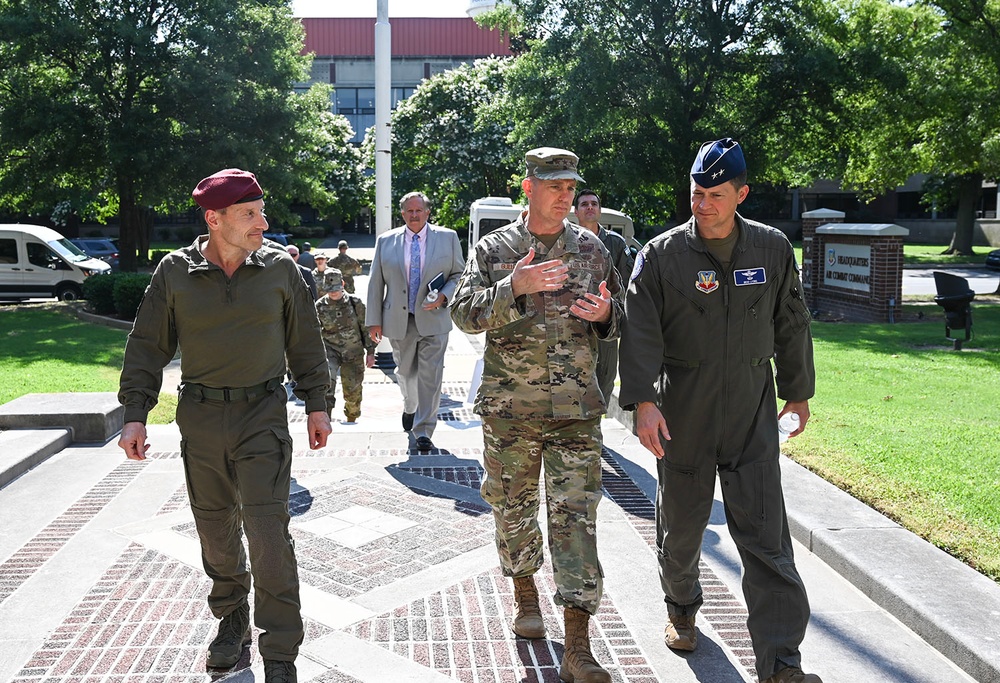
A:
<point x="550" y="276"/>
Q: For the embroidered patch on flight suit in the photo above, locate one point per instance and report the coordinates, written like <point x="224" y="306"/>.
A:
<point x="750" y="276"/>
<point x="640" y="261"/>
<point x="707" y="281"/>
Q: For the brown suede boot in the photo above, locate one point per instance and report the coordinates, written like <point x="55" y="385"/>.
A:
<point x="528" y="616"/>
<point x="578" y="664"/>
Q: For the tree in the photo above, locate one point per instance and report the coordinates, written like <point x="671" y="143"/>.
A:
<point x="119" y="106"/>
<point x="449" y="140"/>
<point x="635" y="86"/>
<point x="912" y="96"/>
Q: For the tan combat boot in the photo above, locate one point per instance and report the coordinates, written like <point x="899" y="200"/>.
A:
<point x="528" y="616"/>
<point x="680" y="633"/>
<point x="578" y="664"/>
<point x="793" y="674"/>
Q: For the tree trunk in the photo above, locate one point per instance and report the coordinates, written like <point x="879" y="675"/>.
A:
<point x="970" y="186"/>
<point x="130" y="228"/>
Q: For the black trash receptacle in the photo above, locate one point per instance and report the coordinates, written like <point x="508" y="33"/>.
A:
<point x="955" y="296"/>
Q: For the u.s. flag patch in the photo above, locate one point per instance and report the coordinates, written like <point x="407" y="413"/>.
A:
<point x="749" y="276"/>
<point x="707" y="281"/>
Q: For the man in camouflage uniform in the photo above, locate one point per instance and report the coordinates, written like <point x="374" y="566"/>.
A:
<point x="323" y="276"/>
<point x="346" y="265"/>
<point x="349" y="349"/>
<point x="544" y="292"/>
<point x="588" y="215"/>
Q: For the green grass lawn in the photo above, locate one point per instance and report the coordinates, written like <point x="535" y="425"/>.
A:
<point x="46" y="349"/>
<point x="908" y="425"/>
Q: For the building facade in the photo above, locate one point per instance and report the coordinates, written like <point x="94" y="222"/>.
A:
<point x="343" y="52"/>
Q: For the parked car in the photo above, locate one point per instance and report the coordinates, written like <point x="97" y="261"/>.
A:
<point x="103" y="249"/>
<point x="993" y="260"/>
<point x="279" y="237"/>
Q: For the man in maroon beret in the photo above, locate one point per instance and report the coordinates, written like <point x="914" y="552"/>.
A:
<point x="236" y="309"/>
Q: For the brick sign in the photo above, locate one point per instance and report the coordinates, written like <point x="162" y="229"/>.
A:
<point x="847" y="266"/>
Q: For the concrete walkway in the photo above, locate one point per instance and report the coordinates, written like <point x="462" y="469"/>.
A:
<point x="100" y="577"/>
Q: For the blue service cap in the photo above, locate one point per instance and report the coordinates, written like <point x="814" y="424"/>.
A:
<point x="717" y="162"/>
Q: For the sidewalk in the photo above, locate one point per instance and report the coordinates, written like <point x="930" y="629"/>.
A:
<point x="100" y="577"/>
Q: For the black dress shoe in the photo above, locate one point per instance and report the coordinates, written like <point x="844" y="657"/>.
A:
<point x="408" y="421"/>
<point x="424" y="443"/>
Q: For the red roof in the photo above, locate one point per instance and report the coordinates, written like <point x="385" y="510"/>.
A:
<point x="411" y="37"/>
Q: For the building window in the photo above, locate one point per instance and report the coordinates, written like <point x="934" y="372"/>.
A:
<point x="358" y="105"/>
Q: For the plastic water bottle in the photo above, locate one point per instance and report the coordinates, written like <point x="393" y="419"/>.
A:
<point x="788" y="423"/>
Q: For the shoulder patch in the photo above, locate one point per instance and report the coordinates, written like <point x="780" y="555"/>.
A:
<point x="640" y="261"/>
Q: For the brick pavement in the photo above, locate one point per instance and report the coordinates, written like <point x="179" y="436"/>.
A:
<point x="146" y="619"/>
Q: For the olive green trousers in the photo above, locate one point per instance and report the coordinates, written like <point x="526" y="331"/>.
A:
<point x="237" y="462"/>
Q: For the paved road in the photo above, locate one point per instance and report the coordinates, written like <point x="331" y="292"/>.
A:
<point x="921" y="281"/>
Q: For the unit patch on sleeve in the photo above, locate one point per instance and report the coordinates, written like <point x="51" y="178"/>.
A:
<point x="750" y="276"/>
<point x="640" y="261"/>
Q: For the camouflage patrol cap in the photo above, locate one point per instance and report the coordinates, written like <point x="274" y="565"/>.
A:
<point x="337" y="279"/>
<point x="550" y="163"/>
<point x="319" y="256"/>
<point x="718" y="161"/>
<point x="341" y="243"/>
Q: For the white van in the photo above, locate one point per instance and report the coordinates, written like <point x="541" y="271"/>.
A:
<point x="38" y="262"/>
<point x="489" y="213"/>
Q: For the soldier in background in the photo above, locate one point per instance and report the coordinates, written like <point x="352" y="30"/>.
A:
<point x="588" y="215"/>
<point x="349" y="349"/>
<point x="348" y="266"/>
<point x="544" y="291"/>
<point x="324" y="276"/>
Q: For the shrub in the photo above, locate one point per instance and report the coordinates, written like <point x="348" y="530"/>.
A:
<point x="129" y="288"/>
<point x="156" y="256"/>
<point x="99" y="291"/>
<point x="307" y="231"/>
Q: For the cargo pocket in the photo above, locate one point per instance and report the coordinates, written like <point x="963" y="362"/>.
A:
<point x="752" y="494"/>
<point x="283" y="473"/>
<point x="187" y="473"/>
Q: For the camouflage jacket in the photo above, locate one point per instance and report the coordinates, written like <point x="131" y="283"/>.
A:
<point x="343" y="323"/>
<point x="540" y="360"/>
<point x="346" y="265"/>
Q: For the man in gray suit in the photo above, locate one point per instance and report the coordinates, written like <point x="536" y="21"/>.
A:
<point x="407" y="260"/>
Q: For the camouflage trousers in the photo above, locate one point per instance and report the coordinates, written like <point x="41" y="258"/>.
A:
<point x="570" y="450"/>
<point x="352" y="374"/>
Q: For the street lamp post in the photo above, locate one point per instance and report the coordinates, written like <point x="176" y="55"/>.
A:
<point x="383" y="130"/>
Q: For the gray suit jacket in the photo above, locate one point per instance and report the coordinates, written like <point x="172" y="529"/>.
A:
<point x="387" y="305"/>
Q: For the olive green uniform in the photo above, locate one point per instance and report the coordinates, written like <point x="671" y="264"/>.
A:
<point x="235" y="335"/>
<point x="698" y="341"/>
<point x="349" y="267"/>
<point x="540" y="403"/>
<point x="347" y="341"/>
<point x="607" y="351"/>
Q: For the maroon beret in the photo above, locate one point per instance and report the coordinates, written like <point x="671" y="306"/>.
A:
<point x="227" y="187"/>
